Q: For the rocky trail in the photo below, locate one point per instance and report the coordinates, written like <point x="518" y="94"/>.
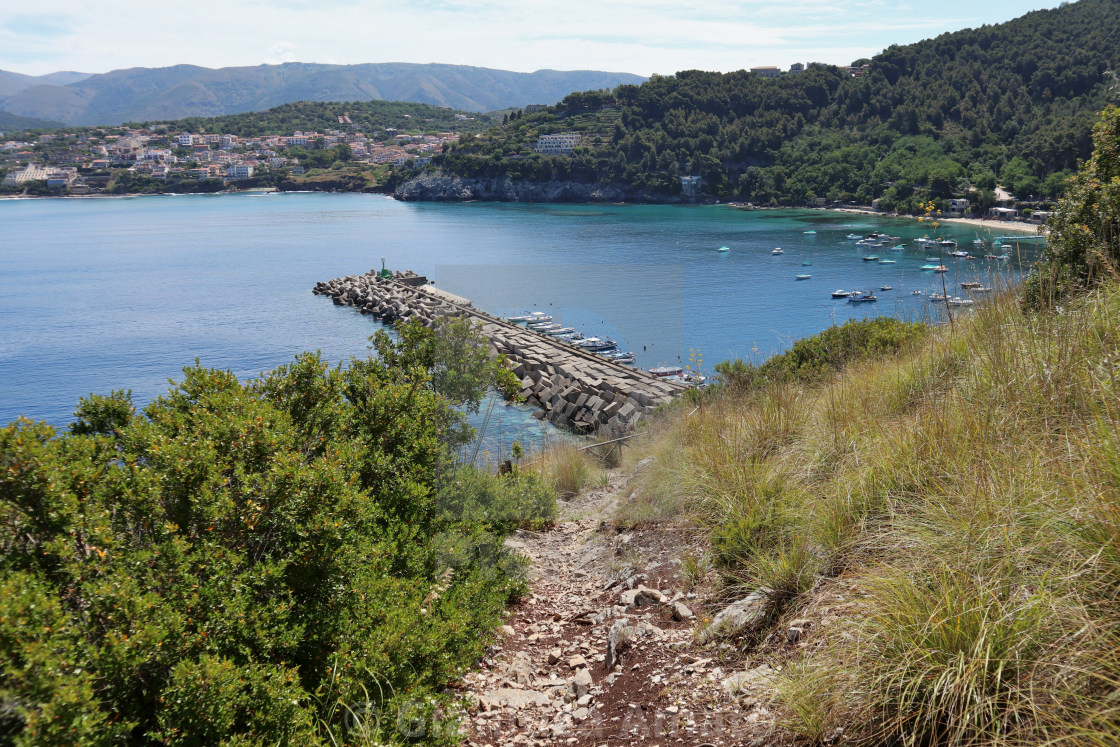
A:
<point x="605" y="649"/>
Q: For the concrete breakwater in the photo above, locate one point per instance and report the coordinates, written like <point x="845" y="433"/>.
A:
<point x="569" y="386"/>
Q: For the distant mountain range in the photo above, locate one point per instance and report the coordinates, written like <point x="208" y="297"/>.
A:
<point x="144" y="94"/>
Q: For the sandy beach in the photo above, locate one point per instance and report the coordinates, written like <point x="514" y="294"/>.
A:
<point x="993" y="227"/>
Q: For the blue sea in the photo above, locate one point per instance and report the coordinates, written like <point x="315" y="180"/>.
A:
<point x="103" y="294"/>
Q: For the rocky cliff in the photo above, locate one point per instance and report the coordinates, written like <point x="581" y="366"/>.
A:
<point x="443" y="187"/>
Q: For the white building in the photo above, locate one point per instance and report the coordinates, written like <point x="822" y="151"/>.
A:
<point x="957" y="208"/>
<point x="186" y="140"/>
<point x="32" y="173"/>
<point x="561" y="144"/>
<point x="239" y="171"/>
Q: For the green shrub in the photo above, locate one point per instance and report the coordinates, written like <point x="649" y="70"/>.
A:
<point x="814" y="358"/>
<point x="249" y="563"/>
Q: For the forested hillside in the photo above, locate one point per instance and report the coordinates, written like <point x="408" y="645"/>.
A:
<point x="1011" y="103"/>
<point x="316" y="116"/>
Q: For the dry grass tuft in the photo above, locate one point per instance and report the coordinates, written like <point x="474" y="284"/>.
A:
<point x="968" y="486"/>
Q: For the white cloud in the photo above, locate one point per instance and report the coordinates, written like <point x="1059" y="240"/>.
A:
<point x="282" y="51"/>
<point x="642" y="37"/>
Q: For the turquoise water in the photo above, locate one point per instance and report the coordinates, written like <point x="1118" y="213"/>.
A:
<point x="102" y="294"/>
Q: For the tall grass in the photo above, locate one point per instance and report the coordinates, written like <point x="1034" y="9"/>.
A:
<point x="967" y="486"/>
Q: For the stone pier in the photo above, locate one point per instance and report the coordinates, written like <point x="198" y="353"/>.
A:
<point x="568" y="385"/>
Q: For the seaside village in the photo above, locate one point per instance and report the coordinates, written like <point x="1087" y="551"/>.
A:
<point x="83" y="165"/>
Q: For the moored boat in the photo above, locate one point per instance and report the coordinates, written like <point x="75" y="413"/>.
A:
<point x="802" y="277"/>
<point x="777" y="250"/>
<point x="841" y="293"/>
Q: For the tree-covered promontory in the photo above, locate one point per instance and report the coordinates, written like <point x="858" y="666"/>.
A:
<point x="1009" y="104"/>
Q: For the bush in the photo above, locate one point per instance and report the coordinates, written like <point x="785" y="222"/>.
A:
<point x="1084" y="245"/>
<point x="813" y="358"/>
<point x="249" y="563"/>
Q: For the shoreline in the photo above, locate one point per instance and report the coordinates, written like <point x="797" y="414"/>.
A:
<point x="987" y="225"/>
<point x="991" y="226"/>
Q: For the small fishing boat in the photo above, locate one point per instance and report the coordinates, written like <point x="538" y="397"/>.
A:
<point x="942" y="268"/>
<point x="915" y="293"/>
<point x="946" y="242"/>
<point x="854" y="237"/>
<point x="724" y="249"/>
<point x="802" y="277"/>
<point x="887" y="262"/>
<point x="933" y="259"/>
<point x="807" y="263"/>
<point x="871" y="258"/>
<point x="937" y="297"/>
<point x="886" y="287"/>
<point x="595" y="344"/>
<point x="560" y="331"/>
<point x="841" y="293"/>
<point x="546" y="328"/>
<point x="959" y="253"/>
<point x="777" y="251"/>
<point x="809" y="233"/>
<point x="664" y="372"/>
<point x="898" y="248"/>
<point x="532" y="315"/>
<point x="925" y="241"/>
<point x="868" y="297"/>
<point x="958" y="301"/>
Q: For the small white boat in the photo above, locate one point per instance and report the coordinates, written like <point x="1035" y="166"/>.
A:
<point x="916" y="293"/>
<point x="841" y="293"/>
<point x="925" y="241"/>
<point x="887" y="262"/>
<point x="560" y="331"/>
<point x="778" y="251"/>
<point x="886" y="287"/>
<point x="809" y="233"/>
<point x="802" y="277"/>
<point x="958" y="301"/>
<point x="724" y="249"/>
<point x="664" y="372"/>
<point x="532" y="315"/>
<point x="854" y="237"/>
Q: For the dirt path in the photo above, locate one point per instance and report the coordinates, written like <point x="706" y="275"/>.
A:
<point x="603" y="652"/>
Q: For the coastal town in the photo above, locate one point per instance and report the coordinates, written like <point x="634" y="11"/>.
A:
<point x="89" y="162"/>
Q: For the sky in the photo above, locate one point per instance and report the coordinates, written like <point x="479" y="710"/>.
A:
<point x="652" y="36"/>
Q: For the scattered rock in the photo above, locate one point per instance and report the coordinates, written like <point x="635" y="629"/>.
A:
<point x="748" y="680"/>
<point x="581" y="683"/>
<point x="577" y="662"/>
<point x="511" y="698"/>
<point x="554" y="655"/>
<point x="740" y="618"/>
<point x="681" y="612"/>
<point x="641" y="597"/>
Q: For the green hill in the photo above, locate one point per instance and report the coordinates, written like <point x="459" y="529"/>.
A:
<point x="947" y="116"/>
<point x="139" y="94"/>
<point x="13" y="122"/>
<point x="312" y="116"/>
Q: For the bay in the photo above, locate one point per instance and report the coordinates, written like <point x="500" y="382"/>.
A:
<point x="103" y="294"/>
